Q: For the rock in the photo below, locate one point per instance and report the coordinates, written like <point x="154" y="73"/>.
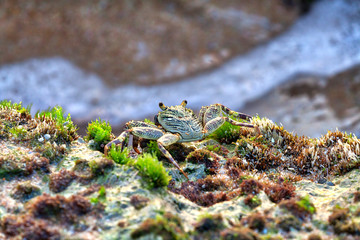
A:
<point x="330" y="184"/>
<point x="47" y="136"/>
<point x="322" y="181"/>
<point x="24" y="191"/>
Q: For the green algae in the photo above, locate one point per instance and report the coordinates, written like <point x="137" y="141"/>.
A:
<point x="24" y="191"/>
<point x="306" y="204"/>
<point x="7" y="104"/>
<point x="147" y="164"/>
<point x="101" y="197"/>
<point x="153" y="170"/>
<point x="152" y="147"/>
<point x="48" y="132"/>
<point x="65" y="128"/>
<point x="120" y="156"/>
<point x="101" y="166"/>
<point x="12" y="164"/>
<point x="99" y="131"/>
<point x="166" y="225"/>
<point x="11" y="115"/>
<point x="227" y="133"/>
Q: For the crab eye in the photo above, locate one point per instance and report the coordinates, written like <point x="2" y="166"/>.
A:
<point x="162" y="106"/>
<point x="183" y="103"/>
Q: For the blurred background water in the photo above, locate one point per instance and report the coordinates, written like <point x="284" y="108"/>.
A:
<point x="296" y="62"/>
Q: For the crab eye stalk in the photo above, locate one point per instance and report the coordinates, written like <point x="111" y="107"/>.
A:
<point x="183" y="103"/>
<point x="156" y="120"/>
<point x="162" y="106"/>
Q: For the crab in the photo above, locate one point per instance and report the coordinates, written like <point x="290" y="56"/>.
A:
<point x="176" y="124"/>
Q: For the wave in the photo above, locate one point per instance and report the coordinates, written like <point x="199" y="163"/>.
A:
<point x="324" y="42"/>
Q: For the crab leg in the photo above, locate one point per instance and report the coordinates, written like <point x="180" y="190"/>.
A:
<point x="215" y="123"/>
<point x="151" y="133"/>
<point x="118" y="141"/>
<point x="135" y="124"/>
<point x="234" y="113"/>
<point x="233" y="122"/>
<point x="167" y="140"/>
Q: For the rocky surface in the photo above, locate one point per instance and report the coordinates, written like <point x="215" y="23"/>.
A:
<point x="277" y="185"/>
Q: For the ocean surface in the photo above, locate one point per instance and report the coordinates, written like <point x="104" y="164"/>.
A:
<point x="324" y="42"/>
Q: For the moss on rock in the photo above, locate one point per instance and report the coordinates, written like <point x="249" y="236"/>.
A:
<point x="166" y="225"/>
<point x="24" y="191"/>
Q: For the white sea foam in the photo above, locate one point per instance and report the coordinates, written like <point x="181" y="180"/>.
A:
<point x="325" y="41"/>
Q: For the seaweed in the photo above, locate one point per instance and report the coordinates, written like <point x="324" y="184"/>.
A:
<point x="301" y="208"/>
<point x="24" y="191"/>
<point x="152" y="148"/>
<point x="279" y="191"/>
<point x="251" y="186"/>
<point x="101" y="196"/>
<point x="252" y="201"/>
<point x="48" y="132"/>
<point x="255" y="221"/>
<point x="20" y="162"/>
<point x="82" y="170"/>
<point x="239" y="233"/>
<point x="147" y="163"/>
<point x="27" y="227"/>
<point x="288" y="222"/>
<point x="139" y="201"/>
<point x="229" y="133"/>
<point x="100" y="166"/>
<point x="7" y="104"/>
<point x="166" y="225"/>
<point x="342" y="222"/>
<point x="305" y="204"/>
<point x="194" y="192"/>
<point x="213" y="183"/>
<point x="12" y="118"/>
<point x="210" y="159"/>
<point x="58" y="208"/>
<point x="119" y="156"/>
<point x="153" y="170"/>
<point x="61" y="180"/>
<point x="338" y="215"/>
<point x="209" y="223"/>
<point x="218" y="149"/>
<point x="65" y="128"/>
<point x="100" y="132"/>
